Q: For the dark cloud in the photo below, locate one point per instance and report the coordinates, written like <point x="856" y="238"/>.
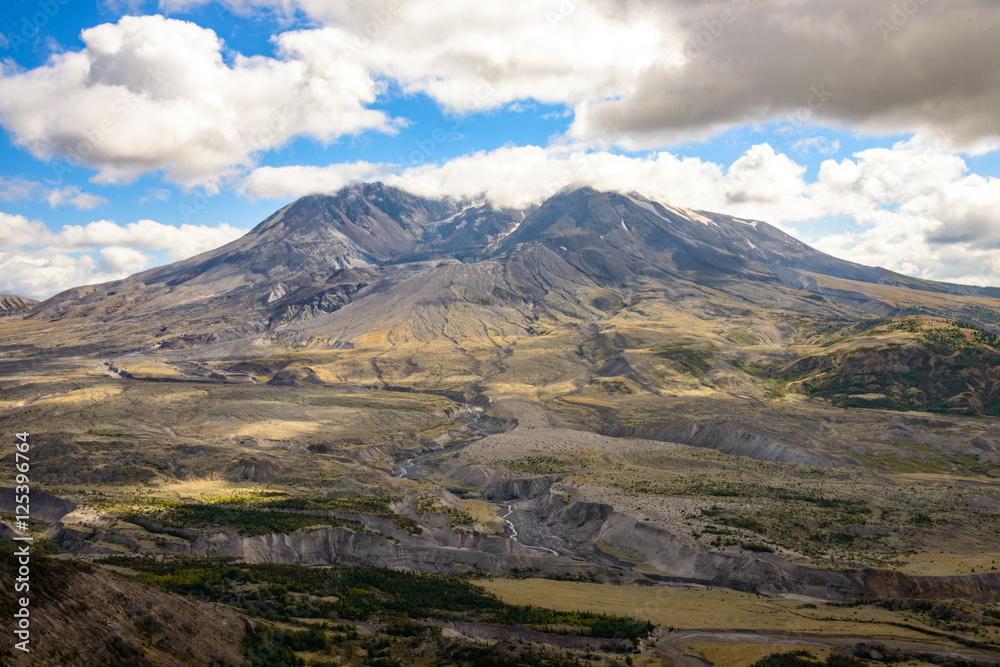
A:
<point x="880" y="66"/>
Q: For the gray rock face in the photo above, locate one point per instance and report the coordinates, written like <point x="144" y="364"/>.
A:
<point x="581" y="523"/>
<point x="984" y="445"/>
<point x="517" y="489"/>
<point x="729" y="437"/>
<point x="43" y="506"/>
<point x="255" y="470"/>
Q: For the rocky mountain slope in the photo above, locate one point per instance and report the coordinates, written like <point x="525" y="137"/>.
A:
<point x="321" y="253"/>
<point x="84" y="615"/>
<point x="11" y="304"/>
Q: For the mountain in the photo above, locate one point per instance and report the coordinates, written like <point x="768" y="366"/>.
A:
<point x="11" y="304"/>
<point x="615" y="237"/>
<point x="322" y="252"/>
<point x="603" y="388"/>
<point x="386" y="288"/>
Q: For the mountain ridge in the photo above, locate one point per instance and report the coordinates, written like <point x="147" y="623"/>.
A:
<point x="426" y="289"/>
<point x="374" y="225"/>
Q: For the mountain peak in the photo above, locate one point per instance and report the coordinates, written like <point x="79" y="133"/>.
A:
<point x="317" y="253"/>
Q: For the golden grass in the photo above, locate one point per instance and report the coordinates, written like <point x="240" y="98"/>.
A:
<point x="589" y="402"/>
<point x="902" y="296"/>
<point x="702" y="608"/>
<point x="484" y="512"/>
<point x="744" y="655"/>
<point x="942" y="564"/>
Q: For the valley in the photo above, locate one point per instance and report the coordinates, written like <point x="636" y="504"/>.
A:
<point x="600" y="427"/>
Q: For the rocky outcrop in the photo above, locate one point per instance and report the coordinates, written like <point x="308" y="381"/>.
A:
<point x="729" y="437"/>
<point x="438" y="549"/>
<point x="42" y="506"/>
<point x="518" y="489"/>
<point x="580" y="524"/>
<point x="255" y="470"/>
<point x="887" y="584"/>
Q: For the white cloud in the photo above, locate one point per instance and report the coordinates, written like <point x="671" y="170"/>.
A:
<point x="296" y="180"/>
<point x="18" y="189"/>
<point x="17" y="230"/>
<point x="38" y="262"/>
<point x="40" y="274"/>
<point x="920" y="210"/>
<point x="816" y="61"/>
<point x="155" y="194"/>
<point x="74" y="197"/>
<point x="655" y="73"/>
<point x="118" y="260"/>
<point x="24" y="189"/>
<point x="472" y="56"/>
<point x="821" y="145"/>
<point x="180" y="242"/>
<point x="150" y="93"/>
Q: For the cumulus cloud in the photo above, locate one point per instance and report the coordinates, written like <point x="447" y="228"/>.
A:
<point x="150" y="93"/>
<point x="655" y="73"/>
<point x="298" y="180"/>
<point x="74" y="197"/>
<point x="24" y="189"/>
<point x="920" y="213"/>
<point x="118" y="260"/>
<point x="473" y="56"/>
<point x="38" y="262"/>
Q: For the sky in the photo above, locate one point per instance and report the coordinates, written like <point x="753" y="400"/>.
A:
<point x="140" y="132"/>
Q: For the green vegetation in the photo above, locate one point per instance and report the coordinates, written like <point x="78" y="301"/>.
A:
<point x="951" y="367"/>
<point x="612" y="386"/>
<point x="688" y="361"/>
<point x="277" y="648"/>
<point x="177" y="515"/>
<point x="50" y="577"/>
<point x="758" y="369"/>
<point x="744" y="337"/>
<point x="430" y="504"/>
<point x="782" y="519"/>
<point x="255" y="513"/>
<point x="608" y="302"/>
<point x="374" y="505"/>
<point x="285" y="592"/>
<point x="806" y="659"/>
<point x="540" y="465"/>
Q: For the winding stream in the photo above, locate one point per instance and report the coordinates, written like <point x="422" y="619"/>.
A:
<point x="513" y="531"/>
<point x="482" y="426"/>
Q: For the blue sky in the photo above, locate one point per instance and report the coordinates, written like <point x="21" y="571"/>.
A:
<point x="137" y="133"/>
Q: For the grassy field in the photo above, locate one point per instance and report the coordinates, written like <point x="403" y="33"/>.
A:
<point x="703" y="608"/>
